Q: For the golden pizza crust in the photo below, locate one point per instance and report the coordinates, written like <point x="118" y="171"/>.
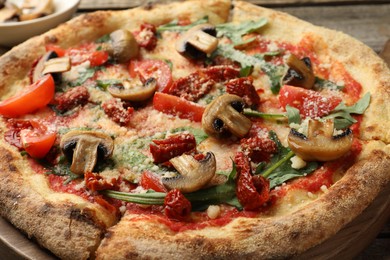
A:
<point x="75" y="233"/>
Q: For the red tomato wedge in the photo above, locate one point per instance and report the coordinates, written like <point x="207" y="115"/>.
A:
<point x="173" y="105"/>
<point x="150" y="181"/>
<point x="310" y="103"/>
<point x="157" y="69"/>
<point x="38" y="141"/>
<point x="32" y="98"/>
<point x="57" y="49"/>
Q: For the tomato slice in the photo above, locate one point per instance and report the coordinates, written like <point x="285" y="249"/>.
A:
<point x="57" y="49"/>
<point x="149" y="181"/>
<point x="38" y="141"/>
<point x="173" y="105"/>
<point x="34" y="97"/>
<point x="157" y="69"/>
<point x="310" y="103"/>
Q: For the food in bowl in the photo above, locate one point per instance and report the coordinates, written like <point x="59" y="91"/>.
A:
<point x="11" y="11"/>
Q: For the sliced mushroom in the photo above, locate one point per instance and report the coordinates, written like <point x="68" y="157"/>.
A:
<point x="193" y="174"/>
<point x="50" y="63"/>
<point x="320" y="144"/>
<point x="198" y="42"/>
<point x="85" y="148"/>
<point x="8" y="12"/>
<point x="223" y="115"/>
<point x="299" y="73"/>
<point x="36" y="9"/>
<point x="122" y="46"/>
<point x="133" y="91"/>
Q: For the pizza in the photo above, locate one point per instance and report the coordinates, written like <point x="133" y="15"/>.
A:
<point x="199" y="129"/>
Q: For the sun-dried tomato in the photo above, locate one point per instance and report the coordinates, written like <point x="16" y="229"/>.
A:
<point x="146" y="37"/>
<point x="252" y="191"/>
<point x="243" y="87"/>
<point x="258" y="148"/>
<point x="72" y="98"/>
<point x="95" y="182"/>
<point x="117" y="111"/>
<point x="199" y="83"/>
<point x="175" y="145"/>
<point x="105" y="204"/>
<point x="177" y="207"/>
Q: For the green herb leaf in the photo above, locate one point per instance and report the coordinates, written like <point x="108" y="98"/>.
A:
<point x="104" y="84"/>
<point x="245" y="71"/>
<point x="85" y="75"/>
<point x="279" y="169"/>
<point x="253" y="113"/>
<point x="273" y="72"/>
<point x="235" y="31"/>
<point x="174" y="26"/>
<point x="293" y="115"/>
<point x="323" y="83"/>
<point x="342" y="113"/>
<point x="103" y="39"/>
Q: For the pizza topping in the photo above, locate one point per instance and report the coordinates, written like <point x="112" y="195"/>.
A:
<point x="252" y="191"/>
<point x="133" y="92"/>
<point x="150" y="181"/>
<point x="224" y="114"/>
<point x="37" y="141"/>
<point x="146" y="37"/>
<point x="243" y="87"/>
<point x="193" y="174"/>
<point x="177" y="106"/>
<point x="122" y="46"/>
<point x="320" y="144"/>
<point x="85" y="148"/>
<point x="174" y="145"/>
<point x="198" y="42"/>
<point x="32" y="98"/>
<point x="95" y="182"/>
<point x="310" y="103"/>
<point x="36" y="9"/>
<point x="300" y="72"/>
<point x="258" y="148"/>
<point x="177" y="207"/>
<point x="197" y="84"/>
<point x="50" y="63"/>
<point x="117" y="111"/>
<point x="72" y="98"/>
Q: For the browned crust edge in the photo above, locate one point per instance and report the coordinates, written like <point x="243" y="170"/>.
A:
<point x="67" y="231"/>
<point x="280" y="237"/>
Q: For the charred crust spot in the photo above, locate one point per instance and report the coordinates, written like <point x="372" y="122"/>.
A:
<point x="12" y="168"/>
<point x="51" y="39"/>
<point x="132" y="255"/>
<point x="295" y="235"/>
<point x="148" y="6"/>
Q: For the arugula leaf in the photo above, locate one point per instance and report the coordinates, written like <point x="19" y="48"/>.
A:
<point x="279" y="169"/>
<point x="62" y="168"/>
<point x="85" y="75"/>
<point x="235" y="31"/>
<point x="323" y="83"/>
<point x="104" y="84"/>
<point x="273" y="72"/>
<point x="342" y="113"/>
<point x="293" y="115"/>
<point x="254" y="113"/>
<point x="174" y="25"/>
<point x="103" y="39"/>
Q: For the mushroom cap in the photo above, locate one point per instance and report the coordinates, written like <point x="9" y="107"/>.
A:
<point x="320" y="144"/>
<point x="123" y="45"/>
<point x="193" y="174"/>
<point x="222" y="116"/>
<point x="85" y="148"/>
<point x="198" y="41"/>
<point x="134" y="92"/>
<point x="299" y="73"/>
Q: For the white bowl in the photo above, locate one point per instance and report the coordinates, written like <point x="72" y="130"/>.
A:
<point x="12" y="33"/>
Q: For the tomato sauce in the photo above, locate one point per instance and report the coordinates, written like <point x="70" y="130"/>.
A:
<point x="197" y="220"/>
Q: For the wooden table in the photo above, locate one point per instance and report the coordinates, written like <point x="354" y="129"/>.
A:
<point x="368" y="21"/>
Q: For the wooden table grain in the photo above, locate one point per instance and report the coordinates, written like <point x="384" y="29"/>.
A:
<point x="368" y="21"/>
